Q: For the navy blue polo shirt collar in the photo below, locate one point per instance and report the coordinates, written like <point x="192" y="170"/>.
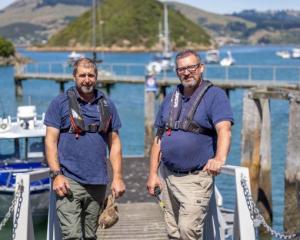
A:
<point x="98" y="94"/>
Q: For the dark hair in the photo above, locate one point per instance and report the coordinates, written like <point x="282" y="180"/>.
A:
<point x="86" y="62"/>
<point x="186" y="53"/>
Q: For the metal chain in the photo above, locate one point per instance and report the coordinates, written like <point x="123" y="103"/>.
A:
<point x="258" y="219"/>
<point x="17" y="197"/>
<point x="17" y="214"/>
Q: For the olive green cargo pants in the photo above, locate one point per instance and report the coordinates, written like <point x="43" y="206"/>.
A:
<point x="78" y="213"/>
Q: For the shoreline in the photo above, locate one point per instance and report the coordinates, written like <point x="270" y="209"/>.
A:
<point x="106" y="49"/>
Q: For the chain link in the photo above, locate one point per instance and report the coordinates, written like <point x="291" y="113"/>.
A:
<point x="18" y="198"/>
<point x="258" y="219"/>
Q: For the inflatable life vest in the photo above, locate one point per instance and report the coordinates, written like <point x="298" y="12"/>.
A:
<point x="187" y="124"/>
<point x="76" y="119"/>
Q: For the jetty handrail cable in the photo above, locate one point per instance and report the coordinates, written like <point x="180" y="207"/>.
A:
<point x="258" y="219"/>
<point x="18" y="198"/>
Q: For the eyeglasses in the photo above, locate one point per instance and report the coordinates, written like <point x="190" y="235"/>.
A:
<point x="84" y="75"/>
<point x="190" y="68"/>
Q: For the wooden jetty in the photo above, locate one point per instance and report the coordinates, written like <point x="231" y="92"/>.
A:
<point x="256" y="130"/>
<point x="138" y="221"/>
<point x="229" y="78"/>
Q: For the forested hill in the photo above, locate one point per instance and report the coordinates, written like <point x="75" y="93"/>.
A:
<point x="131" y="24"/>
<point x="281" y="26"/>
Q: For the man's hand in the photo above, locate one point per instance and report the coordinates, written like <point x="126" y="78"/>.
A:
<point x="61" y="185"/>
<point x="153" y="181"/>
<point x="214" y="166"/>
<point x="118" y="187"/>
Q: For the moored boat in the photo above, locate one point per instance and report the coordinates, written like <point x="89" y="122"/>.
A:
<point x="296" y="53"/>
<point x="162" y="61"/>
<point x="74" y="56"/>
<point x="283" y="54"/>
<point x="227" y="61"/>
<point x="21" y="151"/>
<point x="212" y="56"/>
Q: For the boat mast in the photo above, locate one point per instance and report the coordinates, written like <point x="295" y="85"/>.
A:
<point x="94" y="7"/>
<point x="166" y="30"/>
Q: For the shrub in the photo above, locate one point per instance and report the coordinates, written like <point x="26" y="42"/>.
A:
<point x="6" y="48"/>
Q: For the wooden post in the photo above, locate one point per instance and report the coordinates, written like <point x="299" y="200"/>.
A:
<point x="292" y="169"/>
<point x="150" y="94"/>
<point x="251" y="134"/>
<point x="61" y="87"/>
<point x="162" y="93"/>
<point x="149" y="121"/>
<point x="265" y="179"/>
<point x="256" y="151"/>
<point x="18" y="88"/>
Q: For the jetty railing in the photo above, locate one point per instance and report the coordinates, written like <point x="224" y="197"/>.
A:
<point x="23" y="223"/>
<point x="290" y="73"/>
<point x="215" y="226"/>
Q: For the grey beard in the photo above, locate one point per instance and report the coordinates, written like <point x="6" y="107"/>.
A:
<point x="86" y="89"/>
<point x="193" y="83"/>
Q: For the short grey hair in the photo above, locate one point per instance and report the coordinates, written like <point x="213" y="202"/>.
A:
<point x="86" y="62"/>
<point x="186" y="53"/>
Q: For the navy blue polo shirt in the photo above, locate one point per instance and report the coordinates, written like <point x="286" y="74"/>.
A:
<point x="82" y="159"/>
<point x="182" y="150"/>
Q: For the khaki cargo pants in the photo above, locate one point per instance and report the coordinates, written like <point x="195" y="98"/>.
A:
<point x="186" y="198"/>
<point x="78" y="214"/>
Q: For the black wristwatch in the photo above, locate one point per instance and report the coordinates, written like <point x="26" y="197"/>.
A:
<point x="54" y="174"/>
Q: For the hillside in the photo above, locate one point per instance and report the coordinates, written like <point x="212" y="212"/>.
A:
<point x="272" y="26"/>
<point x="31" y="21"/>
<point x="224" y="29"/>
<point x="248" y="26"/>
<point x="131" y="24"/>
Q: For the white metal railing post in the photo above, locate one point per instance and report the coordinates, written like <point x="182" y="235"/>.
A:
<point x="250" y="73"/>
<point x="50" y="68"/>
<point x="243" y="228"/>
<point x="53" y="229"/>
<point x="226" y="73"/>
<point x="299" y="75"/>
<point x="23" y="225"/>
<point x="213" y="227"/>
<point x="127" y="70"/>
<point x="246" y="229"/>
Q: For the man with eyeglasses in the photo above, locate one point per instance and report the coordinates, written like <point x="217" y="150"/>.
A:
<point x="81" y="124"/>
<point x="191" y="146"/>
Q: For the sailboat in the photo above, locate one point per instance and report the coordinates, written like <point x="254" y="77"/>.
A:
<point x="227" y="61"/>
<point x="101" y="71"/>
<point x="162" y="61"/>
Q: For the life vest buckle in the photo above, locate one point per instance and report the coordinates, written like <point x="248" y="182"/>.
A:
<point x="176" y="125"/>
<point x="169" y="131"/>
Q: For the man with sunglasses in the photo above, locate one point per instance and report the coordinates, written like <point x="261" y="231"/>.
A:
<point x="190" y="148"/>
<point x="81" y="124"/>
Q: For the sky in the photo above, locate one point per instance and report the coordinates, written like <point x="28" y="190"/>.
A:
<point x="227" y="6"/>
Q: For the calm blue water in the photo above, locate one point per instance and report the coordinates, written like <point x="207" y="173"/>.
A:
<point x="129" y="100"/>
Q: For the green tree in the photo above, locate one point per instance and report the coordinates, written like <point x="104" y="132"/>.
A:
<point x="6" y="48"/>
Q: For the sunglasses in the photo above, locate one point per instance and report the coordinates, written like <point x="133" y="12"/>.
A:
<point x="84" y="75"/>
<point x="190" y="68"/>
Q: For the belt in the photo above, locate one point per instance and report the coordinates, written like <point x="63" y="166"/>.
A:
<point x="194" y="170"/>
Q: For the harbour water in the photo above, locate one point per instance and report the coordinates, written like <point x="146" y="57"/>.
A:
<point x="129" y="99"/>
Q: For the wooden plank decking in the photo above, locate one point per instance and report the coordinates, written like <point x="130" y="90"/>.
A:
<point x="138" y="221"/>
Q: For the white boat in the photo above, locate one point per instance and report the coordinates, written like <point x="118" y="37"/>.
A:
<point x="227" y="61"/>
<point x="212" y="56"/>
<point x="162" y="61"/>
<point x="74" y="56"/>
<point x="22" y="150"/>
<point x="296" y="53"/>
<point x="284" y="54"/>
